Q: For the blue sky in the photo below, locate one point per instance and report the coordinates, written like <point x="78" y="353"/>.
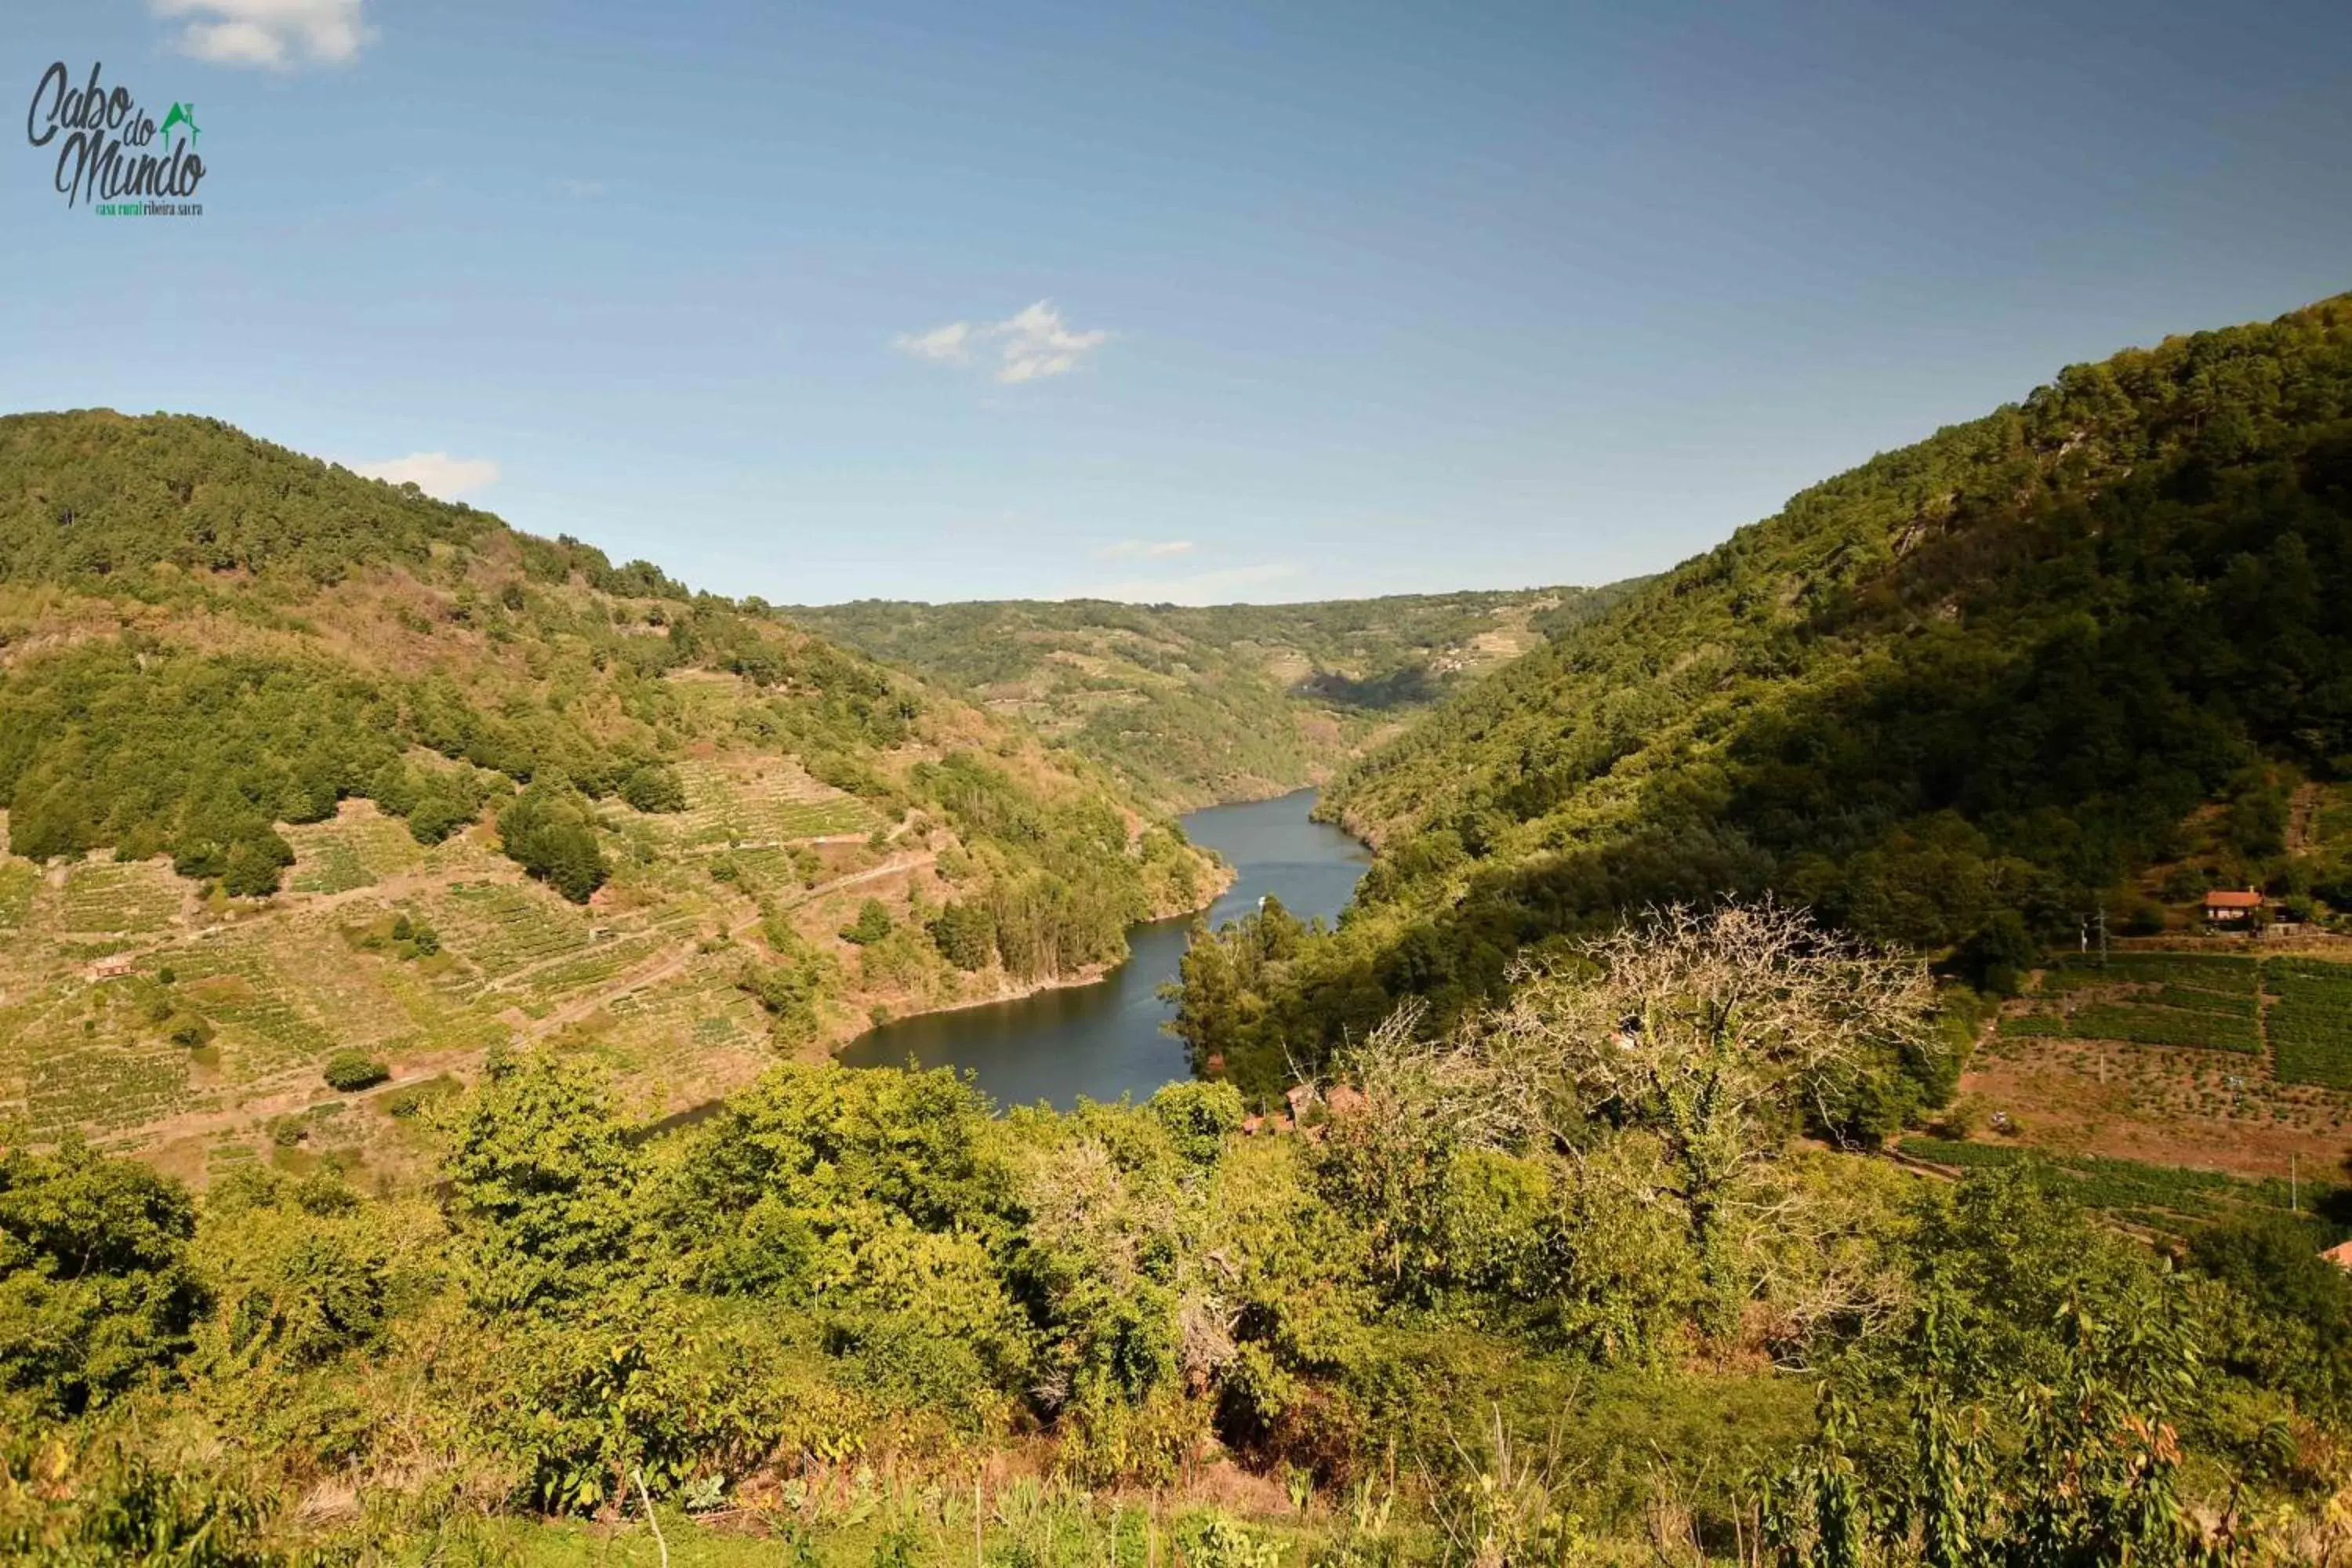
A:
<point x="1196" y="302"/>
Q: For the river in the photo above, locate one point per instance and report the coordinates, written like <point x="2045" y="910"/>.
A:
<point x="1105" y="1040"/>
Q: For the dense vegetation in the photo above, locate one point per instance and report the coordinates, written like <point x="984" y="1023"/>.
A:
<point x="1956" y="698"/>
<point x="92" y="496"/>
<point x="1224" y="702"/>
<point x="211" y="648"/>
<point x="1521" y="1298"/>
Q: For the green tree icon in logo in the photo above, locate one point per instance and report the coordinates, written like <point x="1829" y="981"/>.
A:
<point x="181" y="114"/>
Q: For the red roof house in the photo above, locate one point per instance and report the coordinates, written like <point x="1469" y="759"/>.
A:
<point x="2227" y="904"/>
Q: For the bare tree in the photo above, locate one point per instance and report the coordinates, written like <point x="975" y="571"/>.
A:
<point x="1712" y="1030"/>
<point x="1714" y="1027"/>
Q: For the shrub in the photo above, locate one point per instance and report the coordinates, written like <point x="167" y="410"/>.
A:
<point x="1199" y="1118"/>
<point x="871" y="924"/>
<point x="654" y="787"/>
<point x="352" y="1071"/>
<point x="97" y="1288"/>
<point x="412" y="1099"/>
<point x="789" y="992"/>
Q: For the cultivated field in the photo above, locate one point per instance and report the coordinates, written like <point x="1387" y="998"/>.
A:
<point x="2237" y="1060"/>
<point x="145" y="1016"/>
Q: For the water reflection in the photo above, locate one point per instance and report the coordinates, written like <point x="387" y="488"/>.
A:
<point x="1105" y="1040"/>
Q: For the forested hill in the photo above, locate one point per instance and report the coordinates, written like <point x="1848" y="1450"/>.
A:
<point x="377" y="772"/>
<point x="1954" y="698"/>
<point x="1191" y="705"/>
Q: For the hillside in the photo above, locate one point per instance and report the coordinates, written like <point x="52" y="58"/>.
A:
<point x="1593" y="1278"/>
<point x="295" y="765"/>
<point x="1190" y="706"/>
<point x="2094" y="649"/>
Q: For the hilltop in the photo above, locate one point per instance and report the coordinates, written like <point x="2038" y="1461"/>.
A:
<point x="1194" y="705"/>
<point x="296" y="764"/>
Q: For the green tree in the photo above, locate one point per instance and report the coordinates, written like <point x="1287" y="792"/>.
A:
<point x="654" y="787"/>
<point x="95" y="1286"/>
<point x="542" y="1179"/>
<point x="965" y="934"/>
<point x="550" y="831"/>
<point x="871" y="924"/>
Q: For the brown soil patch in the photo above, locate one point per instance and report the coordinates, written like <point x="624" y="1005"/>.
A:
<point x="2214" y="1109"/>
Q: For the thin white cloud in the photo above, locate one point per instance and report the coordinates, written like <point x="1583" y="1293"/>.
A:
<point x="1033" y="344"/>
<point x="1221" y="587"/>
<point x="274" y="34"/>
<point x="435" y="473"/>
<point x="1037" y="344"/>
<point x="1145" y="549"/>
<point x="950" y="344"/>
<point x="582" y="190"/>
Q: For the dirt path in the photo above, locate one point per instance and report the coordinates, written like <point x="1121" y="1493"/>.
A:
<point x="668" y="965"/>
<point x="810" y="895"/>
<point x="2302" y="815"/>
<point x="660" y="967"/>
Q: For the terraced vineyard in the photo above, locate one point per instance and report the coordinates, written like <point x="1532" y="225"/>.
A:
<point x="132" y="1005"/>
<point x="2296" y="1011"/>
<point x="500" y="929"/>
<point x="104" y="897"/>
<point x="2173" y="1199"/>
<point x="2310" y="1020"/>
<point x="268" y="1028"/>
<point x="357" y="849"/>
<point x="112" y="1086"/>
<point x="639" y="802"/>
<point x="19" y="881"/>
<point x="771" y="806"/>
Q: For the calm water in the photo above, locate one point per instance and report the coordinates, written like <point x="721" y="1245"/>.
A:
<point x="1105" y="1040"/>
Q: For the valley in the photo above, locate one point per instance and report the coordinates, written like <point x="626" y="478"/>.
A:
<point x="911" y="786"/>
<point x="1196" y="706"/>
<point x="449" y="941"/>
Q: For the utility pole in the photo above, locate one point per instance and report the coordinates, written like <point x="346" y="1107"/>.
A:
<point x="2102" y="935"/>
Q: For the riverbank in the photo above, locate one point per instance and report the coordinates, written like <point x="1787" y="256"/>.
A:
<point x="1107" y="1037"/>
